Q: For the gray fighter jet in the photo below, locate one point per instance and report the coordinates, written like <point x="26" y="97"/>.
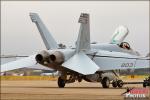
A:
<point x="92" y="62"/>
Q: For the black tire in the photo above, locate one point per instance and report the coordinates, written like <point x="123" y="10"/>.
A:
<point x="144" y="84"/>
<point x="120" y="83"/>
<point x="105" y="82"/>
<point x="114" y="84"/>
<point x="61" y="83"/>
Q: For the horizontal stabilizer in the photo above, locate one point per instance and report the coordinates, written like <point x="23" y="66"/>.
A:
<point x="81" y="63"/>
<point x="28" y="62"/>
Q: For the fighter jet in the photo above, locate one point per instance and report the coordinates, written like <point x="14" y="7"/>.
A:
<point x="92" y="62"/>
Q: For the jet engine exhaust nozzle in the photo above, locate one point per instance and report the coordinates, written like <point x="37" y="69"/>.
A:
<point x="42" y="56"/>
<point x="57" y="57"/>
<point x="52" y="57"/>
<point x="39" y="58"/>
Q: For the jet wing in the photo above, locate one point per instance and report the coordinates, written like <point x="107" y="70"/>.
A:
<point x="40" y="67"/>
<point x="117" y="60"/>
<point x="28" y="62"/>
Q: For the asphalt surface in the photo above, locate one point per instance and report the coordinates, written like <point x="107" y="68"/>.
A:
<point x="48" y="90"/>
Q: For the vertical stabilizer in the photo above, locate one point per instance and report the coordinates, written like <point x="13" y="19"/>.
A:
<point x="119" y="35"/>
<point x="49" y="41"/>
<point x="83" y="41"/>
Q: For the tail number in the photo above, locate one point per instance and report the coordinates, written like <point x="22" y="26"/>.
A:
<point x="127" y="65"/>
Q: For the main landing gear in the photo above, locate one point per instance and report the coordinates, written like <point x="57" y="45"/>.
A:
<point x="105" y="82"/>
<point x="61" y="82"/>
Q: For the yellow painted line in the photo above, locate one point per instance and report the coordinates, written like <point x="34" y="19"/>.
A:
<point x="55" y="78"/>
<point x="134" y="77"/>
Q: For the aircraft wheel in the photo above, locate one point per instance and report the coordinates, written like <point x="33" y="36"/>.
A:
<point x="120" y="83"/>
<point x="144" y="84"/>
<point x="61" y="82"/>
<point x="105" y="82"/>
<point x="80" y="79"/>
<point x="114" y="84"/>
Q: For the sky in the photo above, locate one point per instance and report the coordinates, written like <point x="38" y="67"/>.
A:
<point x="19" y="36"/>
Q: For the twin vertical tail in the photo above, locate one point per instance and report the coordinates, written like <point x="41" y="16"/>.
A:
<point x="83" y="41"/>
<point x="48" y="40"/>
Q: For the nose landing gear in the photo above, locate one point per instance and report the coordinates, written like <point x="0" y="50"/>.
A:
<point x="114" y="84"/>
<point x="118" y="83"/>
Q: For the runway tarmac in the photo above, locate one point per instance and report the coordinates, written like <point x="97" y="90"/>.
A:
<point x="48" y="90"/>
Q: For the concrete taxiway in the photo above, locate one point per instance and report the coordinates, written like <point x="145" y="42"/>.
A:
<point x="48" y="90"/>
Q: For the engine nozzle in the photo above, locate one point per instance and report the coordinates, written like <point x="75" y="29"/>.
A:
<point x="57" y="57"/>
<point x="42" y="56"/>
<point x="39" y="58"/>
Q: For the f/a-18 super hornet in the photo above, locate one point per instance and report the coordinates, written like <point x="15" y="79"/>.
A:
<point x="92" y="62"/>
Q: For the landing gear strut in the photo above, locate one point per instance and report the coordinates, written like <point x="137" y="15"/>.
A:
<point x="61" y="82"/>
